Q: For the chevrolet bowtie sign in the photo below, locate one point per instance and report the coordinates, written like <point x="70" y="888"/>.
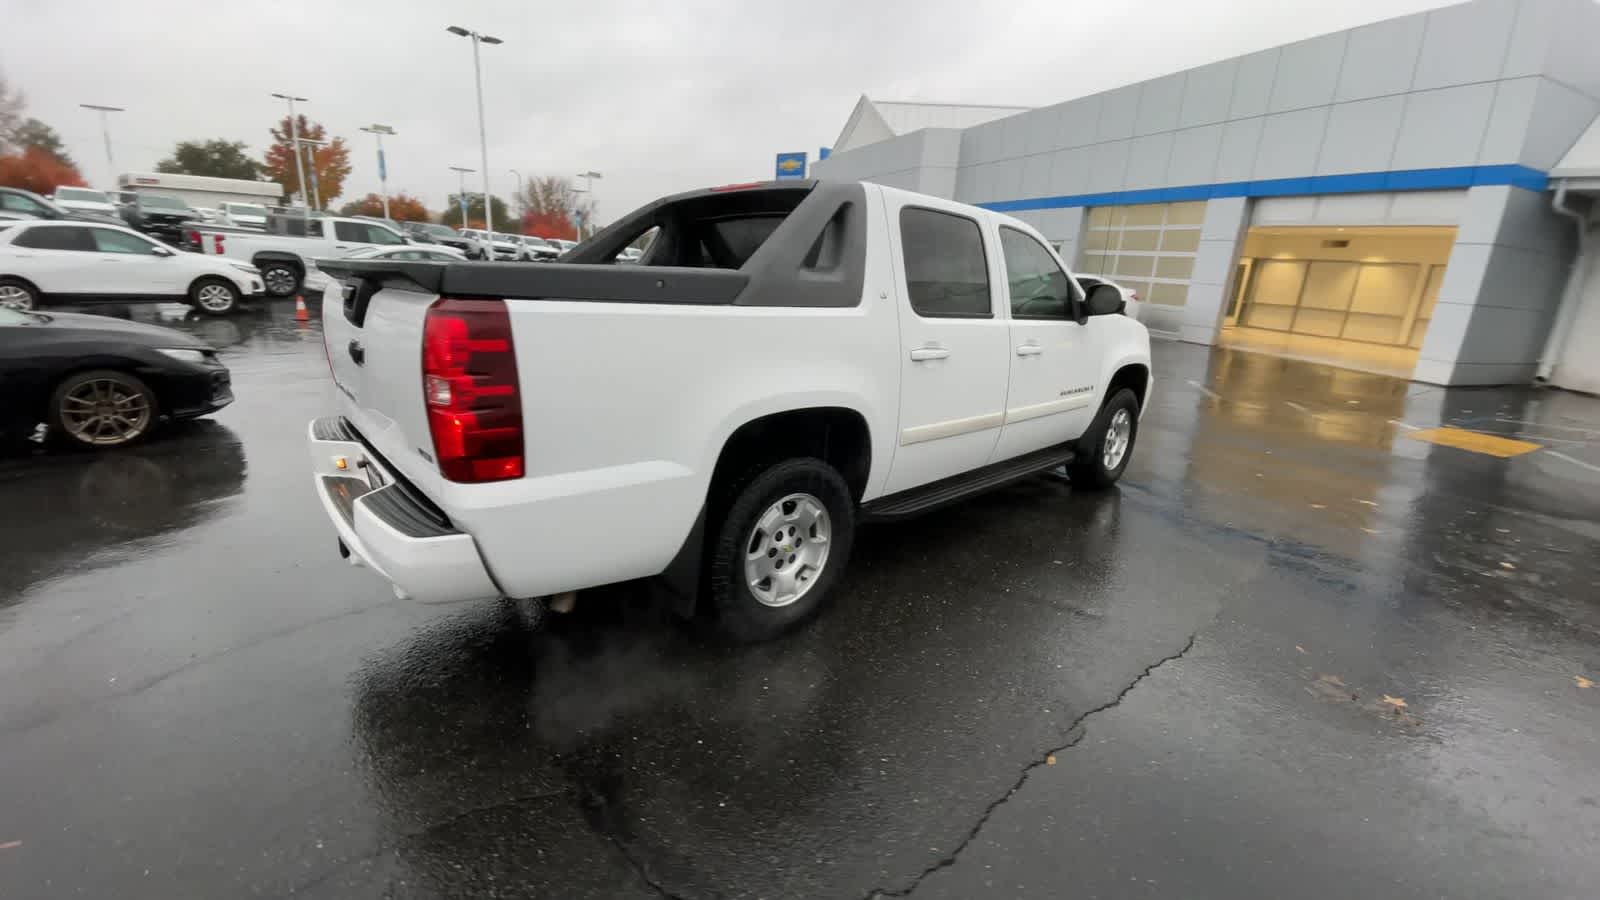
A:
<point x="791" y="165"/>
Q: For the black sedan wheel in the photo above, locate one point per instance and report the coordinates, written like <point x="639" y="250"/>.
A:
<point x="17" y="294"/>
<point x="103" y="408"/>
<point x="282" y="279"/>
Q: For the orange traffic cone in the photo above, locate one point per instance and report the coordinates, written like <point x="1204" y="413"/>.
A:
<point x="301" y="314"/>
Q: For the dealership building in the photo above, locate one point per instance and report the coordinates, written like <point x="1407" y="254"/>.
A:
<point x="1414" y="197"/>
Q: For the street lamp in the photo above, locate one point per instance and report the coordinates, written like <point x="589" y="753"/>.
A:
<point x="588" y="188"/>
<point x="483" y="139"/>
<point x="316" y="191"/>
<point x="461" y="192"/>
<point x="105" y="130"/>
<point x="294" y="137"/>
<point x="383" y="170"/>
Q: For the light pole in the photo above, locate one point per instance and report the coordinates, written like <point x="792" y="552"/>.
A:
<point x="588" y="188"/>
<point x="105" y="129"/>
<point x="483" y="139"/>
<point x="316" y="191"/>
<point x="461" y="192"/>
<point x="294" y="137"/>
<point x="522" y="200"/>
<point x="383" y="170"/>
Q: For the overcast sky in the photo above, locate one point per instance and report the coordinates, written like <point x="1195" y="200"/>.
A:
<point x="658" y="96"/>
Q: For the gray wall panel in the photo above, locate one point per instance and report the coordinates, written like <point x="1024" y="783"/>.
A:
<point x="1361" y="136"/>
<point x="1160" y="101"/>
<point x="1308" y="72"/>
<point x="1206" y="94"/>
<point x="1380" y="58"/>
<point x="1444" y="127"/>
<point x="1465" y="44"/>
<point x="1252" y="84"/>
<point x="1290" y="143"/>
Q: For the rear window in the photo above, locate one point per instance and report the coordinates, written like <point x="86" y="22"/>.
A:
<point x="743" y="237"/>
<point x="947" y="273"/>
<point x="156" y="201"/>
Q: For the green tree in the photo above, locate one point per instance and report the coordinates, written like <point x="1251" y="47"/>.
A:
<point x="36" y="134"/>
<point x="503" y="221"/>
<point x="216" y="158"/>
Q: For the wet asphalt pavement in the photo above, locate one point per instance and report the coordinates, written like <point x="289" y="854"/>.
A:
<point x="1297" y="653"/>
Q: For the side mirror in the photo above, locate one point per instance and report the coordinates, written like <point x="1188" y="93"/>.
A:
<point x="1104" y="300"/>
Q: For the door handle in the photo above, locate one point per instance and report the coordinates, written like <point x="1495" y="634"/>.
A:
<point x="340" y="247"/>
<point x="1029" y="350"/>
<point x="358" y="353"/>
<point x="922" y="353"/>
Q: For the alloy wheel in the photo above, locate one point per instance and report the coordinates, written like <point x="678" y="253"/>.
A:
<point x="214" y="298"/>
<point x="105" y="412"/>
<point x="1119" y="434"/>
<point x="14" y="297"/>
<point x="787" y="549"/>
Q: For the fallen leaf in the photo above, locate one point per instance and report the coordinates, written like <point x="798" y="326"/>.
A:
<point x="1367" y="502"/>
<point x="10" y="845"/>
<point x="1395" y="702"/>
<point x="1582" y="681"/>
<point x="1050" y="760"/>
<point x="1503" y="530"/>
<point x="1506" y="565"/>
<point x="1300" y="648"/>
<point x="1319" y="506"/>
<point x="1331" y="679"/>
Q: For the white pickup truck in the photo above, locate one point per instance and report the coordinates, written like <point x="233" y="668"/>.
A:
<point x="785" y="361"/>
<point x="290" y="242"/>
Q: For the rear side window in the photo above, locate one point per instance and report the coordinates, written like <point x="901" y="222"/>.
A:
<point x="350" y="231"/>
<point x="56" y="237"/>
<point x="947" y="273"/>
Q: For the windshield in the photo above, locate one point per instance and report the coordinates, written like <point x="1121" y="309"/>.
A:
<point x="157" y="201"/>
<point x="245" y="209"/>
<point x="83" y="194"/>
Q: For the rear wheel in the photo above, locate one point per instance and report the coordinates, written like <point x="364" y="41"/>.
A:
<point x="103" y="408"/>
<point x="214" y="296"/>
<point x="782" y="543"/>
<point x="1104" y="451"/>
<point x="18" y="294"/>
<point x="281" y="278"/>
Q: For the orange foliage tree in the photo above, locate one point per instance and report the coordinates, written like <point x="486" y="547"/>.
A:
<point x="332" y="161"/>
<point x="549" y="225"/>
<point x="402" y="208"/>
<point x="38" y="170"/>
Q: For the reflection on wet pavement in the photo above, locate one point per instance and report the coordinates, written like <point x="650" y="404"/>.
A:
<point x="1298" y="652"/>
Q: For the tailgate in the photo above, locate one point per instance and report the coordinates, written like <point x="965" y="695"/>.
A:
<point x="374" y="340"/>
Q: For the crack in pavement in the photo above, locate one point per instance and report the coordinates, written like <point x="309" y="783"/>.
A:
<point x="640" y="870"/>
<point x="1075" y="732"/>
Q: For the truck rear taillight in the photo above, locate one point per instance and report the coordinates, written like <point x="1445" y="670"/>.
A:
<point x="470" y="390"/>
<point x="216" y="241"/>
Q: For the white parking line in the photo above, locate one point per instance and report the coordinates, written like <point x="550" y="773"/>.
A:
<point x="1204" y="390"/>
<point x="1295" y="406"/>
<point x="1577" y="462"/>
<point x="1406" y="425"/>
<point x="1547" y="425"/>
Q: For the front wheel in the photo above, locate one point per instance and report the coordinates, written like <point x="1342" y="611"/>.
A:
<point x="1104" y="450"/>
<point x="781" y="545"/>
<point x="281" y="279"/>
<point x="214" y="296"/>
<point x="18" y="294"/>
<point x="103" y="408"/>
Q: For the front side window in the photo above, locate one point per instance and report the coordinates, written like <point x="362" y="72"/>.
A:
<point x="56" y="237"/>
<point x="377" y="234"/>
<point x="108" y="241"/>
<point x="21" y="203"/>
<point x="350" y="231"/>
<point x="1039" y="288"/>
<point x="947" y="273"/>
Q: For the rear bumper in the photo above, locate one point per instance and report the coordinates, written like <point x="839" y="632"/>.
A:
<point x="386" y="526"/>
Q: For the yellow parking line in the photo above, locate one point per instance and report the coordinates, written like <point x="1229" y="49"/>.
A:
<point x="1474" y="441"/>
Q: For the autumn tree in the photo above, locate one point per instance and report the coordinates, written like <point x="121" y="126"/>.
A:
<point x="34" y="133"/>
<point x="216" y="158"/>
<point x="38" y="170"/>
<point x="402" y="208"/>
<point x="554" y="207"/>
<point x="503" y="222"/>
<point x="331" y="162"/>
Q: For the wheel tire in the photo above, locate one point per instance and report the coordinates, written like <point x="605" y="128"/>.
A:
<point x="67" y="408"/>
<point x="282" y="279"/>
<point x="214" y="296"/>
<point x="740" y="613"/>
<point x="18" y="294"/>
<point x="1090" y="469"/>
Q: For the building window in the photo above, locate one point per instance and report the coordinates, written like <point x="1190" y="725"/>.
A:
<point x="1149" y="248"/>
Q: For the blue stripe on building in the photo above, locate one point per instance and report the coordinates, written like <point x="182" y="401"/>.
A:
<point x="1360" y="182"/>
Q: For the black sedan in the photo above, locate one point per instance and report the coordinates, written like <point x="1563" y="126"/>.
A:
<point x="95" y="381"/>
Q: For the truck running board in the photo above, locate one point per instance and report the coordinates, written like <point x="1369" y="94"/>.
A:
<point x="919" y="500"/>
